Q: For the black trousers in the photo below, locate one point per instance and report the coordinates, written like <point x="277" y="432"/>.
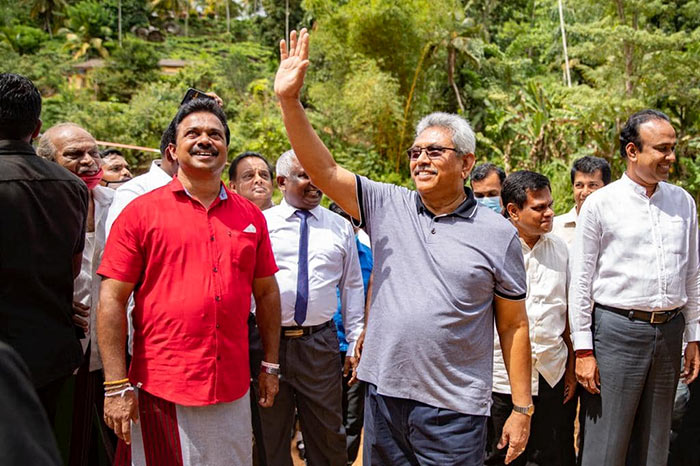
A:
<point x="353" y="413"/>
<point x="551" y="429"/>
<point x="256" y="355"/>
<point x="310" y="382"/>
<point x="685" y="449"/>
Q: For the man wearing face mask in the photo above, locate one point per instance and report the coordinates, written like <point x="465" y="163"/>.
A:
<point x="487" y="181"/>
<point x="73" y="148"/>
<point x="115" y="167"/>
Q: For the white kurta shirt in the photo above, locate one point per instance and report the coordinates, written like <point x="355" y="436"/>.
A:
<point x="333" y="264"/>
<point x="635" y="252"/>
<point x="546" y="265"/>
<point x="86" y="286"/>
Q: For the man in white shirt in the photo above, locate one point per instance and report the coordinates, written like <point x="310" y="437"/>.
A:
<point x="160" y="174"/>
<point x="633" y="294"/>
<point x="316" y="254"/>
<point x="588" y="174"/>
<point x="75" y="149"/>
<point x="527" y="198"/>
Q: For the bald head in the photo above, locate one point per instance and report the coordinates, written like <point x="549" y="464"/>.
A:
<point x="72" y="147"/>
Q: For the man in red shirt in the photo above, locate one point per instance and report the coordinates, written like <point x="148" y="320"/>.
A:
<point x="192" y="252"/>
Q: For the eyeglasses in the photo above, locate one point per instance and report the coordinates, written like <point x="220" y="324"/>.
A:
<point x="433" y="152"/>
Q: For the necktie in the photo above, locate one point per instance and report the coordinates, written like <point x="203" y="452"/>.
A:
<point x="303" y="269"/>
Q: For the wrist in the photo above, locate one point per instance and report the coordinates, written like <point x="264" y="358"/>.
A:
<point x="269" y="368"/>
<point x="271" y="357"/>
<point x="584" y="353"/>
<point x="289" y="100"/>
<point x="527" y="410"/>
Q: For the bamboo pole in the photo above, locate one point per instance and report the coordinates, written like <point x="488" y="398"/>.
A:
<point x="563" y="41"/>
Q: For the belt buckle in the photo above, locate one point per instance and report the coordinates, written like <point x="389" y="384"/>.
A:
<point x="653" y="317"/>
<point x="298" y="332"/>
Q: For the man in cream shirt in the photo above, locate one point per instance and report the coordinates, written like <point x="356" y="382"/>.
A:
<point x="527" y="200"/>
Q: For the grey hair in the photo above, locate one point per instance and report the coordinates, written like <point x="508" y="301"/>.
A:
<point x="46" y="148"/>
<point x="462" y="133"/>
<point x="284" y="163"/>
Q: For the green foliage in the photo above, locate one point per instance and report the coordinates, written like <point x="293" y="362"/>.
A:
<point x="87" y="29"/>
<point x="271" y="26"/>
<point x="134" y="13"/>
<point x="46" y="11"/>
<point x="23" y="39"/>
<point x="377" y="66"/>
<point x="132" y="65"/>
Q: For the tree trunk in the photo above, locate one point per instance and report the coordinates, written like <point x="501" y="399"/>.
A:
<point x="627" y="48"/>
<point x="407" y="107"/>
<point x="451" y="57"/>
<point x="119" y="21"/>
<point x="228" y="16"/>
<point x="48" y="24"/>
<point x="187" y="20"/>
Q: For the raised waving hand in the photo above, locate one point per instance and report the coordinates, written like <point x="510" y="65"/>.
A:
<point x="294" y="62"/>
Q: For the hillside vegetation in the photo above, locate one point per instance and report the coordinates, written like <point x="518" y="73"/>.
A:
<point x="377" y="66"/>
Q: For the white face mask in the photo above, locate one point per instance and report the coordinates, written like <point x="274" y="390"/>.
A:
<point x="493" y="203"/>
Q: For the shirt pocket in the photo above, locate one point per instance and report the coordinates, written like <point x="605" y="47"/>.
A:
<point x="674" y="239"/>
<point x="242" y="251"/>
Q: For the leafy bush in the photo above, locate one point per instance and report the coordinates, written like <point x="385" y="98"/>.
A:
<point x="87" y="29"/>
<point x="23" y="39"/>
<point x="130" y="66"/>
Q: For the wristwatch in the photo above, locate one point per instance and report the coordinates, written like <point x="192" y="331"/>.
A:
<point x="270" y="370"/>
<point x="528" y="410"/>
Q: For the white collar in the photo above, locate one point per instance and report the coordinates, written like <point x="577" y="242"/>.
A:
<point x="570" y="216"/>
<point x="288" y="210"/>
<point x="638" y="188"/>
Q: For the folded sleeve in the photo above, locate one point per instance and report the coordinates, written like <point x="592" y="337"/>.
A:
<point x="510" y="277"/>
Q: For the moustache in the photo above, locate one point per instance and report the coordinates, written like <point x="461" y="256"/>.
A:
<point x="196" y="150"/>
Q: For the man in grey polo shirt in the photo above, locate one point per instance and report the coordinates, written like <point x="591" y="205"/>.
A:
<point x="444" y="267"/>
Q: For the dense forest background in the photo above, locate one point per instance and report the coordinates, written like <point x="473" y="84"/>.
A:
<point x="377" y="66"/>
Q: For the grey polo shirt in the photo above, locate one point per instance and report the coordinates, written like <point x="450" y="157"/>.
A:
<point x="430" y="328"/>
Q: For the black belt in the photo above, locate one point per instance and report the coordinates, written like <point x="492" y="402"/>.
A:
<point x="654" y="317"/>
<point x="296" y="332"/>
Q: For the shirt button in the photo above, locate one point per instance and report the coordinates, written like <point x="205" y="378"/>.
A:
<point x="217" y="326"/>
<point x="212" y="238"/>
<point x="218" y="358"/>
<point x="218" y="298"/>
<point x="432" y="231"/>
<point x="215" y="269"/>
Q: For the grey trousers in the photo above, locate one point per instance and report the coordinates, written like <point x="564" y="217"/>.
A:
<point x="629" y="423"/>
<point x="311" y="381"/>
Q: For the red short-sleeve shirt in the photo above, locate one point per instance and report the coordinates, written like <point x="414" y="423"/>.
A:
<point x="193" y="269"/>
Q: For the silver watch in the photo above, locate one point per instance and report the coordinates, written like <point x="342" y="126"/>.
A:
<point x="528" y="410"/>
